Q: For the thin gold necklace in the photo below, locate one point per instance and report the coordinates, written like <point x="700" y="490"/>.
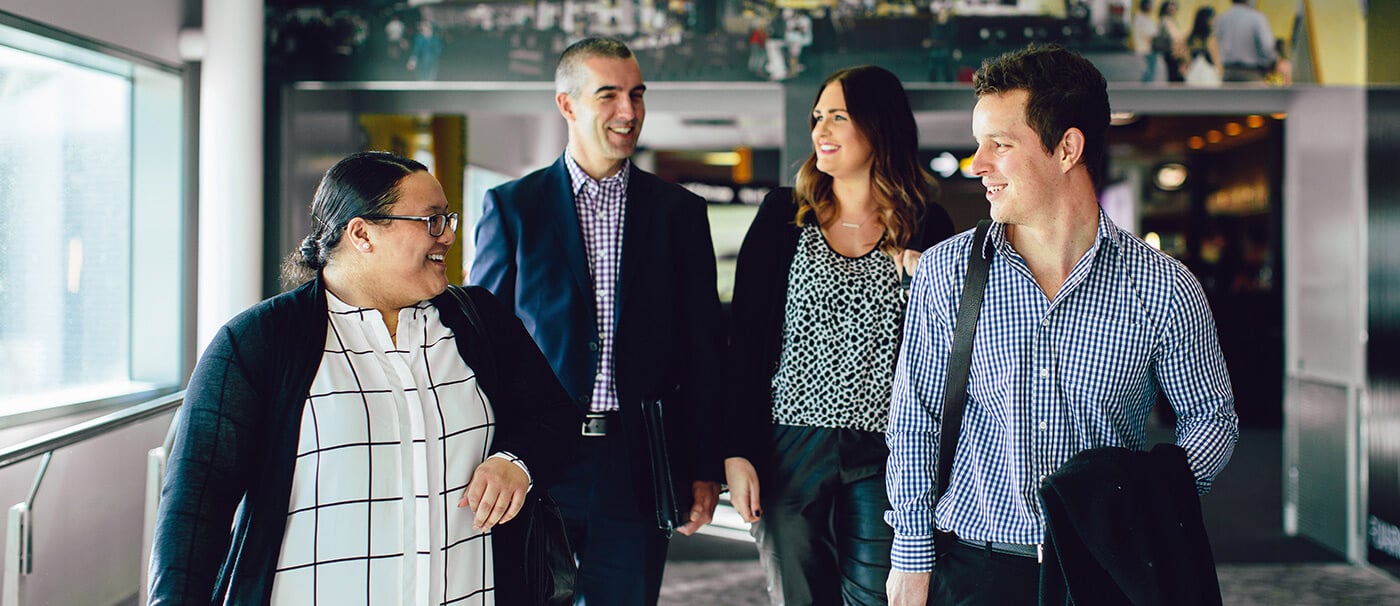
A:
<point x="857" y="225"/>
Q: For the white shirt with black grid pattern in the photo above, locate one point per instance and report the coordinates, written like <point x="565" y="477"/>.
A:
<point x="600" y="206"/>
<point x="1049" y="378"/>
<point x="387" y="424"/>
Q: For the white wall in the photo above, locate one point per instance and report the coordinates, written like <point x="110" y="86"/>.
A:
<point x="147" y="26"/>
<point x="515" y="144"/>
<point x="1325" y="198"/>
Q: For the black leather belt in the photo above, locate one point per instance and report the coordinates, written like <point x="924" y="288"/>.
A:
<point x="598" y="424"/>
<point x="1015" y="549"/>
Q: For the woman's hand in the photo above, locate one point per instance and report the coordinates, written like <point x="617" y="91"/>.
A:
<point x="742" y="479"/>
<point x="908" y="261"/>
<point x="496" y="492"/>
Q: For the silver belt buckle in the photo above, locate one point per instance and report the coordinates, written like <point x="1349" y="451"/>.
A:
<point x="595" y="424"/>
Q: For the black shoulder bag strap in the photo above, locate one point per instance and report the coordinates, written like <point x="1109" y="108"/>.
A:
<point x="960" y="361"/>
<point x="468" y="307"/>
<point x="464" y="301"/>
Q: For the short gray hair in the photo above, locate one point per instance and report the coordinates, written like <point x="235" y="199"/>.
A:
<point x="570" y="74"/>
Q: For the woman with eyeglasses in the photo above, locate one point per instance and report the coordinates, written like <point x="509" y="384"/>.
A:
<point x="363" y="432"/>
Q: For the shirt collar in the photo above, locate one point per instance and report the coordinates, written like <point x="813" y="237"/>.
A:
<point x="578" y="178"/>
<point x="1107" y="230"/>
<point x="335" y="305"/>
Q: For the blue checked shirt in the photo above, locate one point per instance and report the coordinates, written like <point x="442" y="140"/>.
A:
<point x="1049" y="378"/>
<point x="600" y="205"/>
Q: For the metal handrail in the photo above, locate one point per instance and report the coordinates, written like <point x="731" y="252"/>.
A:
<point x="88" y="429"/>
<point x="19" y="527"/>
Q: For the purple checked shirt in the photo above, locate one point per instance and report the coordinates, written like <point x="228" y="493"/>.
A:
<point x="600" y="205"/>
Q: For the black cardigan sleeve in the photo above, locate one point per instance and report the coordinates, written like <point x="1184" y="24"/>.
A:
<point x="760" y="289"/>
<point x="210" y="466"/>
<point x="536" y="419"/>
<point x="937" y="226"/>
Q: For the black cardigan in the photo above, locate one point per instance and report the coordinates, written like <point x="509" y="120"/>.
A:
<point x="760" y="297"/>
<point x="236" y="436"/>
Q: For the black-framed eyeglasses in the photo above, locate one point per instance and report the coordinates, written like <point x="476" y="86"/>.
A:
<point x="436" y="223"/>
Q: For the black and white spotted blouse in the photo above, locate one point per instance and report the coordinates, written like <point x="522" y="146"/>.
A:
<point x="841" y="331"/>
<point x="389" y="439"/>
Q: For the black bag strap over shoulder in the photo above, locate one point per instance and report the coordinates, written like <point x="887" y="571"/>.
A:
<point x="468" y="308"/>
<point x="464" y="301"/>
<point x="960" y="361"/>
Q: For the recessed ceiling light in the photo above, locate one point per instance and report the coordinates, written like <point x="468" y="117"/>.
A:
<point x="1170" y="176"/>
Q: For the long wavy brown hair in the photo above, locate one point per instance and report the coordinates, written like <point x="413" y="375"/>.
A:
<point x="903" y="190"/>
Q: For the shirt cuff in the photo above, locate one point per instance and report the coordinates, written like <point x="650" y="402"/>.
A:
<point x="912" y="553"/>
<point x="518" y="463"/>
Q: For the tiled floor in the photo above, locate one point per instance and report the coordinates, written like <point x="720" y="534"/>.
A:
<point x="1306" y="585"/>
<point x="1257" y="564"/>
<point x="740" y="583"/>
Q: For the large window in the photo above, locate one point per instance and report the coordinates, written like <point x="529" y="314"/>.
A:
<point x="90" y="224"/>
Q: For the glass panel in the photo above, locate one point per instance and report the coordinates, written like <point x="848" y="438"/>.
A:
<point x="65" y="228"/>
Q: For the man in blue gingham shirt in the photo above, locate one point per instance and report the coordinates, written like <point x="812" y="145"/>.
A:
<point x="1081" y="326"/>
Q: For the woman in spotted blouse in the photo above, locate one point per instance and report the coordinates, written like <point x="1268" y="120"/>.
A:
<point x="818" y="302"/>
<point x="362" y="433"/>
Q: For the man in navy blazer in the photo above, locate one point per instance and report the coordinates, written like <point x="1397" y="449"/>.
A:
<point x="612" y="270"/>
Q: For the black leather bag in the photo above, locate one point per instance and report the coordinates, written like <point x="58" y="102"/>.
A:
<point x="534" y="563"/>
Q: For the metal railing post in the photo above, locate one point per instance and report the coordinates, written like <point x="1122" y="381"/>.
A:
<point x="15" y="531"/>
<point x="19" y="539"/>
<point x="155" y="475"/>
<point x="19" y="525"/>
<point x="155" y="478"/>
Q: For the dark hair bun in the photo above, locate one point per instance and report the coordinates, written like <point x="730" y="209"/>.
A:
<point x="311" y="253"/>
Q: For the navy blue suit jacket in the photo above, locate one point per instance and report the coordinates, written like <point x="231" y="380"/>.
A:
<point x="668" y="331"/>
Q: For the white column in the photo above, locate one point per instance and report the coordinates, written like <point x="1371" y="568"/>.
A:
<point x="230" y="164"/>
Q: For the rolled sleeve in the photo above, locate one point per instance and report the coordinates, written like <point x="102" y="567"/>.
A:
<point x="1193" y="376"/>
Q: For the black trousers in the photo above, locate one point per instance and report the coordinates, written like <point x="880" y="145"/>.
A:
<point x="969" y="576"/>
<point x="620" y="550"/>
<point x="822" y="537"/>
